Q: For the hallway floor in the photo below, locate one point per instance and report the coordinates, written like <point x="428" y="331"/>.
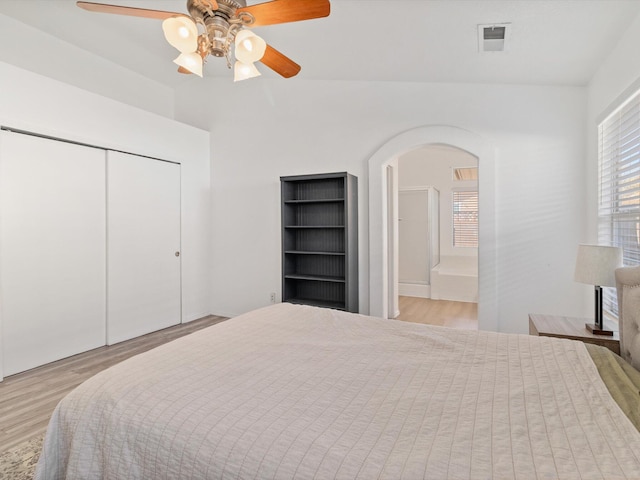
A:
<point x="445" y="313"/>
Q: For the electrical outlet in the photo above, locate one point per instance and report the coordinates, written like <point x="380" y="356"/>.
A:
<point x="273" y="297"/>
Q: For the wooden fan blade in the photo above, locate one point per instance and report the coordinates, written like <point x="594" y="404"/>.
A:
<point x="134" y="12"/>
<point x="184" y="70"/>
<point x="280" y="63"/>
<point x="284" y="11"/>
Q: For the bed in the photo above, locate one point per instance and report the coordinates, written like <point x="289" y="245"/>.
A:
<point x="293" y="391"/>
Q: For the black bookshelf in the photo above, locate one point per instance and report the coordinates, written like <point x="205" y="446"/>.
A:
<point x="320" y="240"/>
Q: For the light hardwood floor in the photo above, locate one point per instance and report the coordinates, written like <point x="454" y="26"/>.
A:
<point x="439" y="312"/>
<point x="28" y="399"/>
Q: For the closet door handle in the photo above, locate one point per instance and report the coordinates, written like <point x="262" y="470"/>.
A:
<point x="177" y="254"/>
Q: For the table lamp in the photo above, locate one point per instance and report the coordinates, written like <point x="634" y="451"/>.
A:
<point x="595" y="266"/>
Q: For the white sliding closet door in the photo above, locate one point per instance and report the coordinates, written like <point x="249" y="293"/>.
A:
<point x="143" y="237"/>
<point x="52" y="250"/>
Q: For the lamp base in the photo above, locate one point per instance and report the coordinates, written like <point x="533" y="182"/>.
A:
<point x="593" y="328"/>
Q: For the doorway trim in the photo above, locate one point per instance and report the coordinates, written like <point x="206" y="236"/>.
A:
<point x="387" y="155"/>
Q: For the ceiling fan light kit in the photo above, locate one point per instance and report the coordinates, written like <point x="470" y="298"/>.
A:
<point x="249" y="47"/>
<point x="244" y="71"/>
<point x="217" y="27"/>
<point x="192" y="62"/>
<point x="181" y="33"/>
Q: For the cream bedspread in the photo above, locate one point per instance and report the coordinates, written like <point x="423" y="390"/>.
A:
<point x="301" y="392"/>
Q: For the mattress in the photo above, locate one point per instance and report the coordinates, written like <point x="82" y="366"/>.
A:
<point x="301" y="392"/>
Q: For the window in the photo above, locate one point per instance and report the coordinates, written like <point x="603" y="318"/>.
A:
<point x="465" y="218"/>
<point x="465" y="174"/>
<point x="619" y="185"/>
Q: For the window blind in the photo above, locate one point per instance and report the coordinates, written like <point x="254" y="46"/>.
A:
<point x="465" y="218"/>
<point x="619" y="186"/>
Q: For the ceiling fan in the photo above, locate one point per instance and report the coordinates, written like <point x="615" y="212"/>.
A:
<point x="213" y="27"/>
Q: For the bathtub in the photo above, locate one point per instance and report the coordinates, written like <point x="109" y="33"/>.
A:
<point x="455" y="278"/>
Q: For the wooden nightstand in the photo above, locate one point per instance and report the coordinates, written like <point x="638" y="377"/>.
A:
<point x="573" y="328"/>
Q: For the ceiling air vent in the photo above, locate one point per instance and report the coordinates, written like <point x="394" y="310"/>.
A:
<point x="493" y="37"/>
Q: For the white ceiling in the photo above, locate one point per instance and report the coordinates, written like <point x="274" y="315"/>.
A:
<point x="558" y="42"/>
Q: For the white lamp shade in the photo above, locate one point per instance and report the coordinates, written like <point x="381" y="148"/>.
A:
<point x="191" y="62"/>
<point x="249" y="46"/>
<point x="596" y="264"/>
<point x="182" y="33"/>
<point x="243" y="71"/>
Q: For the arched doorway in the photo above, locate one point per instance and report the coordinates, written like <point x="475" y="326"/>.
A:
<point x="379" y="215"/>
<point x="436" y="241"/>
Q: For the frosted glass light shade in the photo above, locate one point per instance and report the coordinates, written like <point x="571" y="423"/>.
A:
<point x="249" y="46"/>
<point x="181" y="32"/>
<point x="244" y="71"/>
<point x="596" y="265"/>
<point x="191" y="62"/>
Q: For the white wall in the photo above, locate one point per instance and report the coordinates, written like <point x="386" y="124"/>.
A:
<point x="268" y="128"/>
<point x="35" y="103"/>
<point x="433" y="166"/>
<point x="42" y="53"/>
